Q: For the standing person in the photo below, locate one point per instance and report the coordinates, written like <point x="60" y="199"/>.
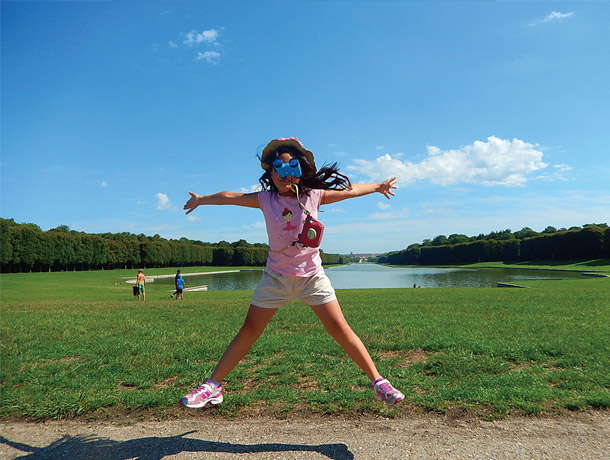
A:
<point x="294" y="267"/>
<point x="141" y="283"/>
<point x="179" y="287"/>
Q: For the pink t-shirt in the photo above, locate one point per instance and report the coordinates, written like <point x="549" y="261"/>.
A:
<point x="284" y="218"/>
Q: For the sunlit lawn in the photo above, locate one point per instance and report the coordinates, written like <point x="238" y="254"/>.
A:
<point x="76" y="343"/>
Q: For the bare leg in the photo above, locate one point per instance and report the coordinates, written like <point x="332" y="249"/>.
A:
<point x="254" y="325"/>
<point x="332" y="318"/>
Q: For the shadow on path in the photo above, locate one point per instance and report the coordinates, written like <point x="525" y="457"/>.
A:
<point x="83" y="447"/>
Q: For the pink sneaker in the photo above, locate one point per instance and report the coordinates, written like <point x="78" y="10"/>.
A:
<point x="202" y="395"/>
<point x="385" y="392"/>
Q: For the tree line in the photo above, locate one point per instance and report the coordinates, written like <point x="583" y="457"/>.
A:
<point x="592" y="241"/>
<point x="26" y="247"/>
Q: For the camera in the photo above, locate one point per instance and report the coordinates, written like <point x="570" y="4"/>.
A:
<point x="311" y="236"/>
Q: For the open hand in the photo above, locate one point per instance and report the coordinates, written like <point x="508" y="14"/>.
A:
<point x="387" y="186"/>
<point x="192" y="203"/>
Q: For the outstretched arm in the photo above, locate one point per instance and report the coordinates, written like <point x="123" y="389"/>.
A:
<point x="385" y="188"/>
<point x="249" y="200"/>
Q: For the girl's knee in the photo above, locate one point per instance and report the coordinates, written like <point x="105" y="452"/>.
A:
<point x="256" y="321"/>
<point x="251" y="328"/>
<point x="340" y="329"/>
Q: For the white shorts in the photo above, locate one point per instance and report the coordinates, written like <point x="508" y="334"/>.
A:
<point x="275" y="290"/>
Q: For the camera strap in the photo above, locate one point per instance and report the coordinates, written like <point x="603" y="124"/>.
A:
<point x="296" y="191"/>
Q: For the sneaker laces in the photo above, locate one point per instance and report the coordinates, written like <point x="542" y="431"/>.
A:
<point x="387" y="388"/>
<point x="384" y="385"/>
<point x="205" y="389"/>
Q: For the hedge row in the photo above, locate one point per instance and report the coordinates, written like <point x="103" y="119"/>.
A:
<point x="25" y="247"/>
<point x="590" y="242"/>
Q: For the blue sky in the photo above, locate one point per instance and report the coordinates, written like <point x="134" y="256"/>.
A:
<point x="492" y="115"/>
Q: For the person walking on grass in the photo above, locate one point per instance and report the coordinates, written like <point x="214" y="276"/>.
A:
<point x="179" y="285"/>
<point x="294" y="267"/>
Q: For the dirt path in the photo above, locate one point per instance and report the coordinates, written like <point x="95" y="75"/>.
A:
<point x="576" y="436"/>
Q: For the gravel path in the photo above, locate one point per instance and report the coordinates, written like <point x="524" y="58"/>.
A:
<point x="575" y="436"/>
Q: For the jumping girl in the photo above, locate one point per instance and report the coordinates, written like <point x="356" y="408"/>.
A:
<point x="294" y="268"/>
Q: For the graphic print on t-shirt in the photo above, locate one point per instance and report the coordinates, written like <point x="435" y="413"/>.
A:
<point x="287" y="215"/>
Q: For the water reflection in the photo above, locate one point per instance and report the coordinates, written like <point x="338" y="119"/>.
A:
<point x="227" y="281"/>
<point x="361" y="276"/>
<point x="372" y="276"/>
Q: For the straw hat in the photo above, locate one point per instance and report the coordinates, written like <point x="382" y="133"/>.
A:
<point x="269" y="151"/>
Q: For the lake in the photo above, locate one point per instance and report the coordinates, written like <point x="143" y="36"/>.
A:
<point x="373" y="276"/>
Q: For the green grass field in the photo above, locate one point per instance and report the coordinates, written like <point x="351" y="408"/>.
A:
<point x="77" y="344"/>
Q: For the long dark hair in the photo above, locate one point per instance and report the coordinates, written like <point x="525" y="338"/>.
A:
<point x="327" y="177"/>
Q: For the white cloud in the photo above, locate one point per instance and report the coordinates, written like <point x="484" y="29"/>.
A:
<point x="252" y="189"/>
<point x="162" y="201"/>
<point x="557" y="15"/>
<point x="192" y="218"/>
<point x="554" y="16"/>
<point x="213" y="57"/>
<point x="258" y="225"/>
<point x="194" y="38"/>
<point x="104" y="183"/>
<point x="391" y="215"/>
<point x="205" y="39"/>
<point x="495" y="162"/>
<point x="381" y="205"/>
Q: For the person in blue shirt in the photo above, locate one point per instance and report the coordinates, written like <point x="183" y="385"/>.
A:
<point x="179" y="284"/>
<point x="179" y="287"/>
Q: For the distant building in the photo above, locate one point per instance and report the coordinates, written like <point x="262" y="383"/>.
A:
<point x="361" y="258"/>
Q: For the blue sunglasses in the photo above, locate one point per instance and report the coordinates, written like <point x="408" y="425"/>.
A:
<point x="292" y="168"/>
